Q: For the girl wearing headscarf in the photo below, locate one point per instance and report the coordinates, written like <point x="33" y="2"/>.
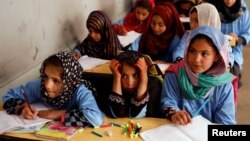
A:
<point x="61" y="88"/>
<point x="134" y="94"/>
<point x="137" y="20"/>
<point x="163" y="34"/>
<point x="200" y="84"/>
<point x="204" y="14"/>
<point x="102" y="41"/>
<point x="235" y="20"/>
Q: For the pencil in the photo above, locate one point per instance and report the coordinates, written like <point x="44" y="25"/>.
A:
<point x="26" y="98"/>
<point x="104" y="126"/>
<point x="97" y="134"/>
<point x="115" y="124"/>
<point x="202" y="106"/>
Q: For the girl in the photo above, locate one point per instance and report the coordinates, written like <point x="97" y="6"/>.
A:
<point x="60" y="87"/>
<point x="183" y="6"/>
<point x="102" y="42"/>
<point x="134" y="93"/>
<point x="136" y="20"/>
<point x="204" y="14"/>
<point x="200" y="84"/>
<point x="235" y="20"/>
<point x="163" y="34"/>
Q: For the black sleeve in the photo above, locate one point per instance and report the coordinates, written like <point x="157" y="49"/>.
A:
<point x="14" y="106"/>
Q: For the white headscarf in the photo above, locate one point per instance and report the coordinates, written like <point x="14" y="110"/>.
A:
<point x="208" y="15"/>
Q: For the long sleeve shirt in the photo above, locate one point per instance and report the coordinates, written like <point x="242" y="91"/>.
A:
<point x="80" y="110"/>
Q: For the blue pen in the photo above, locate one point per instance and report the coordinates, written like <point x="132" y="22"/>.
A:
<point x="202" y="106"/>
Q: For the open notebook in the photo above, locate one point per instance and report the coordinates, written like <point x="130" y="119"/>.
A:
<point x="12" y="122"/>
<point x="196" y="131"/>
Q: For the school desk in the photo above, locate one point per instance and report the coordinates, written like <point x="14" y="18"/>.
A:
<point x="86" y="134"/>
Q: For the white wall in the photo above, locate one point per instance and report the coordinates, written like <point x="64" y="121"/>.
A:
<point x="31" y="30"/>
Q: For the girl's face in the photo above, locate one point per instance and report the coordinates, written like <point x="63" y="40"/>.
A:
<point x="53" y="81"/>
<point x="194" y="20"/>
<point x="130" y="78"/>
<point x="141" y="13"/>
<point x="157" y="25"/>
<point x="201" y="56"/>
<point x="96" y="36"/>
<point x="229" y="3"/>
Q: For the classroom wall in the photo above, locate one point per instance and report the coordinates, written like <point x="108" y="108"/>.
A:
<point x="31" y="30"/>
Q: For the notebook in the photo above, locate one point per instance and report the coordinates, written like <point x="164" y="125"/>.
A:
<point x="196" y="131"/>
<point x="91" y="62"/>
<point x="55" y="130"/>
<point x="13" y="122"/>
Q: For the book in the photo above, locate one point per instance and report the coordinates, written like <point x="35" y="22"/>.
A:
<point x="91" y="62"/>
<point x="13" y="122"/>
<point x="129" y="38"/>
<point x="195" y="131"/>
<point x="55" y="130"/>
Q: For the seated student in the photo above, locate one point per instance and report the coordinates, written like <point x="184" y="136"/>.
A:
<point x="137" y="20"/>
<point x="134" y="92"/>
<point x="183" y="7"/>
<point x="200" y="84"/>
<point x="60" y="87"/>
<point x="204" y="14"/>
<point x="102" y="42"/>
<point x="164" y="33"/>
<point x="235" y="21"/>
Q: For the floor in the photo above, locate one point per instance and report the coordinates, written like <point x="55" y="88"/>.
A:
<point x="243" y="107"/>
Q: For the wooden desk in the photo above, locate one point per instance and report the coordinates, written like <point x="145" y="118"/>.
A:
<point x="103" y="69"/>
<point x="117" y="132"/>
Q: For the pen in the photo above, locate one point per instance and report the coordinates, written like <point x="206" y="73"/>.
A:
<point x="202" y="106"/>
<point x="95" y="133"/>
<point x="26" y="98"/>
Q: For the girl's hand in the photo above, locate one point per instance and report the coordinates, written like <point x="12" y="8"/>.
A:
<point x="29" y="112"/>
<point x="142" y="65"/>
<point x="181" y="117"/>
<point x="114" y="67"/>
<point x="75" y="55"/>
<point x="50" y="114"/>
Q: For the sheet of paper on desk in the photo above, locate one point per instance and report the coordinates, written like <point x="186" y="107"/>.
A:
<point x="196" y="131"/>
<point x="11" y="122"/>
<point x="129" y="38"/>
<point x="163" y="67"/>
<point x="185" y="19"/>
<point x="91" y="62"/>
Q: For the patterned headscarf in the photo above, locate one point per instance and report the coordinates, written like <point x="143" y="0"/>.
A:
<point x="196" y="86"/>
<point x="72" y="78"/>
<point x="208" y="15"/>
<point x="109" y="45"/>
<point x="154" y="45"/>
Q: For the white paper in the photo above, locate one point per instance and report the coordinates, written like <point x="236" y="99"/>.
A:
<point x="196" y="131"/>
<point x="129" y="38"/>
<point x="11" y="122"/>
<point x="91" y="62"/>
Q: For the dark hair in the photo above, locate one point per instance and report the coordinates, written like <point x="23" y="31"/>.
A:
<point x="144" y="4"/>
<point x="192" y="10"/>
<point x="54" y="61"/>
<point x="129" y="57"/>
<point x="209" y="41"/>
